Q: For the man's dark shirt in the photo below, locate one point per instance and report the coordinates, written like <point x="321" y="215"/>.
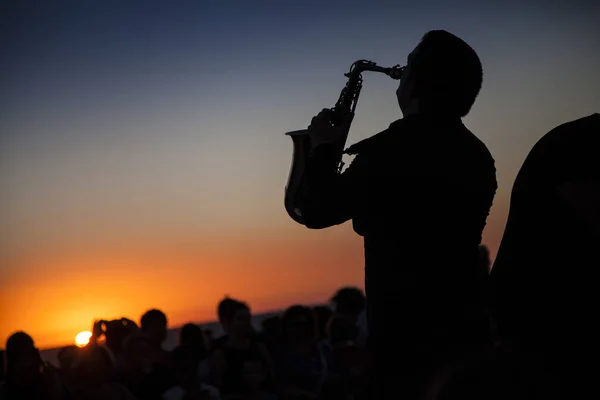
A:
<point x="419" y="193"/>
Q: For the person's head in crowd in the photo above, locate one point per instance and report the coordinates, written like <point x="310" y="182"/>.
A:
<point x="349" y="301"/>
<point x="235" y="317"/>
<point x="299" y="324"/>
<point x="92" y="368"/>
<point x="322" y="314"/>
<point x="224" y="311"/>
<point x="115" y="332"/>
<point x="23" y="363"/>
<point x="67" y="356"/>
<point x="192" y="337"/>
<point x="154" y="325"/>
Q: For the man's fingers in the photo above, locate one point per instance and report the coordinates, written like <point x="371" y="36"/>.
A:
<point x="323" y="119"/>
<point x="320" y="120"/>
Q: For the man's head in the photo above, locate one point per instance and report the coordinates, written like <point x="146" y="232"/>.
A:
<point x="116" y="331"/>
<point x="192" y="337"/>
<point x="67" y="356"/>
<point x="349" y="301"/>
<point x="23" y="362"/>
<point x="299" y="324"/>
<point x="154" y="325"/>
<point x="224" y="308"/>
<point x="235" y="317"/>
<point x="443" y="75"/>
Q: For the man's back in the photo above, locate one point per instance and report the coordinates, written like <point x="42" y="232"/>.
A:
<point x="427" y="188"/>
<point x="545" y="295"/>
<point x="419" y="193"/>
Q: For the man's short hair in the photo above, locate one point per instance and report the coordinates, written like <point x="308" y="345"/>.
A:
<point x="17" y="344"/>
<point x="349" y="299"/>
<point x="228" y="307"/>
<point x="447" y="72"/>
<point x="152" y="316"/>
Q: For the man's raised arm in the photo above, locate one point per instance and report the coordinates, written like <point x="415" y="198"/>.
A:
<point x="330" y="198"/>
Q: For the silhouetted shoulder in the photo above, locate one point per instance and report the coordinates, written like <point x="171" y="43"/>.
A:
<point x="568" y="149"/>
<point x="578" y="126"/>
<point x="582" y="130"/>
<point x="378" y="140"/>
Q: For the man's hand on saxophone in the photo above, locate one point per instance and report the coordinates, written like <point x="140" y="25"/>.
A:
<point x="322" y="131"/>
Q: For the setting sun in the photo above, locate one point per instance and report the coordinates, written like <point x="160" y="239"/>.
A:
<point x="83" y="338"/>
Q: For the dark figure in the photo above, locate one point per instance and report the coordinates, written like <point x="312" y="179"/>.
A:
<point x="154" y="325"/>
<point x="185" y="364"/>
<point x="349" y="359"/>
<point x="301" y="363"/>
<point x="350" y="302"/>
<point x="114" y="332"/>
<point x="544" y="293"/>
<point x="271" y="332"/>
<point x="223" y="312"/>
<point x="192" y="338"/>
<point x="92" y="376"/>
<point x="228" y="361"/>
<point x="485" y="264"/>
<point x="139" y="376"/>
<point x="67" y="356"/>
<point x="323" y="315"/>
<point x="209" y="336"/>
<point x="484" y="259"/>
<point x="2" y="371"/>
<point x="425" y="178"/>
<point x="27" y="376"/>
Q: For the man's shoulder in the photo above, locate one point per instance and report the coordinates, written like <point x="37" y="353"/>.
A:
<point x="378" y="141"/>
<point x="566" y="149"/>
<point x="578" y="135"/>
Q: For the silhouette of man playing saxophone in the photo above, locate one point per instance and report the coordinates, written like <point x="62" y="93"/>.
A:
<point x="419" y="193"/>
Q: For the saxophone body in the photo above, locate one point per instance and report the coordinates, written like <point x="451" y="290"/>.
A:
<point x="296" y="183"/>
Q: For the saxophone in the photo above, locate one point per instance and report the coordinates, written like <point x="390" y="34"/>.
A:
<point x="346" y="103"/>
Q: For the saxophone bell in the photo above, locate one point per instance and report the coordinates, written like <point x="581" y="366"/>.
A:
<point x="295" y="182"/>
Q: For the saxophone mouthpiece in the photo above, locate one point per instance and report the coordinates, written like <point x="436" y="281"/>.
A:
<point x="395" y="72"/>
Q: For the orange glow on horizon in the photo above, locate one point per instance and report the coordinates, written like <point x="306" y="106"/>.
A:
<point x="186" y="282"/>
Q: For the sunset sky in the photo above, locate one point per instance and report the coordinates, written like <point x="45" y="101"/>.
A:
<point x="142" y="150"/>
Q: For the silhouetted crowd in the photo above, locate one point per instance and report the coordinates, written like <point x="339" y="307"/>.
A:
<point x="304" y="353"/>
